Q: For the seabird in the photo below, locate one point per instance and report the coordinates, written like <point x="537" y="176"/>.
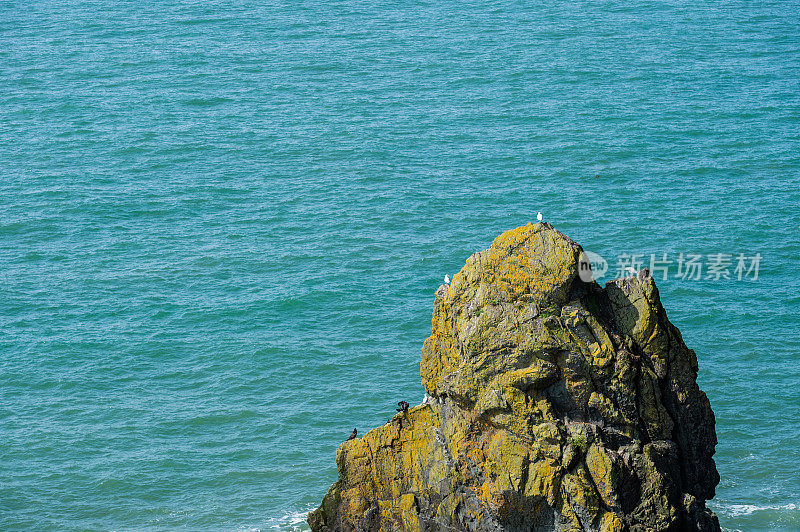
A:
<point x="353" y="435"/>
<point x="539" y="217"/>
<point x="403" y="406"/>
<point x="630" y="270"/>
<point x="446" y="279"/>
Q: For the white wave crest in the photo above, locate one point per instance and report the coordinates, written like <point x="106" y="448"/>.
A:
<point x="739" y="510"/>
<point x="292" y="521"/>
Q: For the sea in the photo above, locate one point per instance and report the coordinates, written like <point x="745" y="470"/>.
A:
<point x="222" y="224"/>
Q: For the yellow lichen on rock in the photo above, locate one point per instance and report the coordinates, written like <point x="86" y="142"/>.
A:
<point x="605" y="474"/>
<point x="525" y="270"/>
<point x="554" y="404"/>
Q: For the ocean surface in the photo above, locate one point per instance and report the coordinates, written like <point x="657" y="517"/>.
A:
<point x="222" y="225"/>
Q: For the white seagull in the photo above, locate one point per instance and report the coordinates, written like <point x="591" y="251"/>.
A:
<point x="539" y="217"/>
<point x="446" y="279"/>
<point x="630" y="270"/>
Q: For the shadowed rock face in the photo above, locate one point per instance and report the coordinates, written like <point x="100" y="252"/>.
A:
<point x="554" y="405"/>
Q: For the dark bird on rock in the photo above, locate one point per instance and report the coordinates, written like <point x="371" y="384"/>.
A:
<point x="353" y="435"/>
<point x="403" y="406"/>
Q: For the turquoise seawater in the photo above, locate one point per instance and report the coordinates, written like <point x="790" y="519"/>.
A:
<point x="222" y="225"/>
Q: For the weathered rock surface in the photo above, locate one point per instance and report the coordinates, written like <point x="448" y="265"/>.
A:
<point x="553" y="404"/>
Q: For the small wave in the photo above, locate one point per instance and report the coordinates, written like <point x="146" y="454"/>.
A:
<point x="293" y="521"/>
<point x="207" y="102"/>
<point x="739" y="510"/>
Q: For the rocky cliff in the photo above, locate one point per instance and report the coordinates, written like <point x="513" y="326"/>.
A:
<point x="553" y="404"/>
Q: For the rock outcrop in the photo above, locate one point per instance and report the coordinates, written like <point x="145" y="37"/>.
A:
<point x="553" y="404"/>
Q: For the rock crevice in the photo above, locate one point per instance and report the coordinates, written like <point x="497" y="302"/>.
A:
<point x="553" y="404"/>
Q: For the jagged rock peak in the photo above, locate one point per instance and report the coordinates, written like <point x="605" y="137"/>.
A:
<point x="553" y="404"/>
